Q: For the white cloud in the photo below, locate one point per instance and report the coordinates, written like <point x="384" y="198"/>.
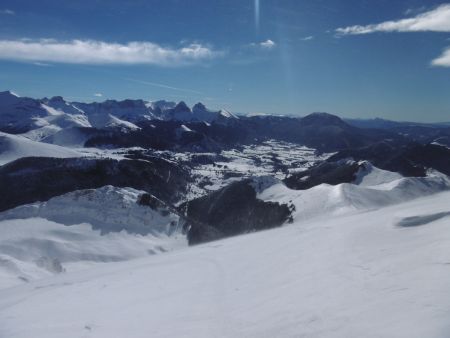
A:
<point x="436" y="20"/>
<point x="98" y="94"/>
<point x="7" y="12"/>
<point x="443" y="60"/>
<point x="99" y="52"/>
<point x="307" y="38"/>
<point x="268" y="44"/>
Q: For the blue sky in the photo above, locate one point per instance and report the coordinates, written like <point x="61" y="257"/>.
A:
<point x="288" y="57"/>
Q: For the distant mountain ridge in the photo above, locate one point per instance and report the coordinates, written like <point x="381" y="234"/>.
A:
<point x="168" y="125"/>
<point x="380" y="123"/>
<point x="23" y="114"/>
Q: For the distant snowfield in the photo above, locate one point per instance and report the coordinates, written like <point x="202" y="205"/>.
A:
<point x="13" y="147"/>
<point x="379" y="273"/>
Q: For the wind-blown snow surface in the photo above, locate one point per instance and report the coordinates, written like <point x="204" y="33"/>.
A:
<point x="79" y="229"/>
<point x="358" y="275"/>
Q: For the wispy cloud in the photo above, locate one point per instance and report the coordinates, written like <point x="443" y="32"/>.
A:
<point x="100" y="52"/>
<point x="41" y="64"/>
<point x="98" y="95"/>
<point x="7" y="12"/>
<point x="307" y="38"/>
<point x="164" y="86"/>
<point x="443" y="60"/>
<point x="411" y="11"/>
<point x="436" y="20"/>
<point x="268" y="44"/>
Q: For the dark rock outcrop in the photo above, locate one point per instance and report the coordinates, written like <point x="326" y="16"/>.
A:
<point x="32" y="179"/>
<point x="231" y="211"/>
<point x="326" y="172"/>
<point x="412" y="159"/>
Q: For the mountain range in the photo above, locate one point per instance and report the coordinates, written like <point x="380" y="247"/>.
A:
<point x="170" y="125"/>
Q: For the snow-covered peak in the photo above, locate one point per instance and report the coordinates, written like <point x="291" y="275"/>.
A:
<point x="161" y="104"/>
<point x="7" y="94"/>
<point x="227" y="114"/>
<point x="26" y="114"/>
<point x="371" y="176"/>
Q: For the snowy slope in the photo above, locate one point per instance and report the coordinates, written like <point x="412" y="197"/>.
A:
<point x="13" y="147"/>
<point x="55" y="122"/>
<point x="81" y="228"/>
<point x="110" y="121"/>
<point x="360" y="275"/>
<point x="370" y="176"/>
<point x="109" y="209"/>
<point x="375" y="189"/>
<point x="69" y="137"/>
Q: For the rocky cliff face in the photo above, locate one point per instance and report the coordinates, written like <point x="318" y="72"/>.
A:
<point x="230" y="211"/>
<point x="413" y="159"/>
<point x="34" y="179"/>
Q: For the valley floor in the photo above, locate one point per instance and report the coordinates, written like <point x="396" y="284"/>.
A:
<point x="379" y="273"/>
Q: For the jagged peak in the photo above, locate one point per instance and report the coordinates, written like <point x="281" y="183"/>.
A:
<point x="199" y="106"/>
<point x="182" y="107"/>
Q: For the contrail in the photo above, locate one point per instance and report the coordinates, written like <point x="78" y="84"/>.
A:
<point x="257" y="15"/>
<point x="160" y="85"/>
